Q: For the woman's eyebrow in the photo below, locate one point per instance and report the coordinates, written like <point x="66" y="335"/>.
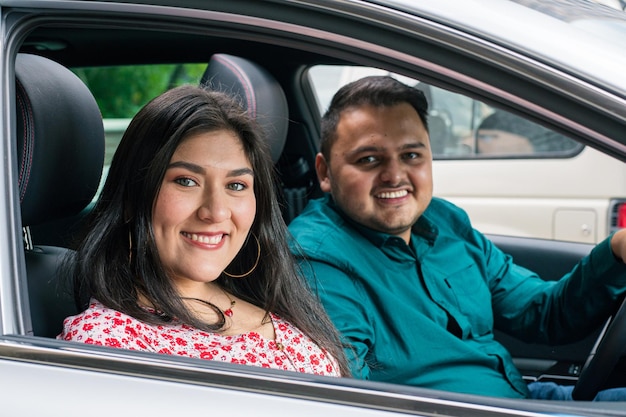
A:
<point x="197" y="169"/>
<point x="241" y="171"/>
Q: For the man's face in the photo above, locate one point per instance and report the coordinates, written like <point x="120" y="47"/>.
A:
<point x="380" y="168"/>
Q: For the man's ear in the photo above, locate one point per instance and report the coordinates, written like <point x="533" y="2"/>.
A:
<point x="323" y="175"/>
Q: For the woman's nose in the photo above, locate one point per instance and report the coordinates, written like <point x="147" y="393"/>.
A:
<point x="214" y="207"/>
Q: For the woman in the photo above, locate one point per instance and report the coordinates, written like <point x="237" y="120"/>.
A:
<point x="186" y="249"/>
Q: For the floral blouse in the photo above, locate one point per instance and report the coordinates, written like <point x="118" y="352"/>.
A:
<point x="292" y="350"/>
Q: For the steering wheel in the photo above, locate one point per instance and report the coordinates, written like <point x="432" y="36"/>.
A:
<point x="603" y="357"/>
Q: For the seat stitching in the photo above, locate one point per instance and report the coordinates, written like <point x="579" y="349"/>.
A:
<point x="26" y="162"/>
<point x="245" y="81"/>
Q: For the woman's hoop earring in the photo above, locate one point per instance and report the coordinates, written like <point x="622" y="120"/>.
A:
<point x="258" y="256"/>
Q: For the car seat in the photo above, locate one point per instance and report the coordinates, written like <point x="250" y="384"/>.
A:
<point x="258" y="91"/>
<point x="60" y="145"/>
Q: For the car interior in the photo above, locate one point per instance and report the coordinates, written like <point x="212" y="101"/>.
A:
<point x="61" y="146"/>
<point x="60" y="141"/>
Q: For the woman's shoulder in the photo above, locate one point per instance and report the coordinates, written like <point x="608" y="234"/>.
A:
<point x="100" y="325"/>
<point x="97" y="313"/>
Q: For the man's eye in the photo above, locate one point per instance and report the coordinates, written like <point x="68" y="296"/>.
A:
<point x="186" y="182"/>
<point x="367" y="160"/>
<point x="411" y="155"/>
<point x="237" y="186"/>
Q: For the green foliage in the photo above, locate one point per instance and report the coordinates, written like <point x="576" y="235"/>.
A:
<point x="121" y="91"/>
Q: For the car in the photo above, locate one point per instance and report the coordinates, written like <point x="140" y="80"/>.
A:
<point x="556" y="63"/>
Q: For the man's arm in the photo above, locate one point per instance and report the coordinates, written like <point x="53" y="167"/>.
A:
<point x="561" y="311"/>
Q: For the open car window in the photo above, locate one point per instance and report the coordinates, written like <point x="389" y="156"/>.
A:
<point x="460" y="127"/>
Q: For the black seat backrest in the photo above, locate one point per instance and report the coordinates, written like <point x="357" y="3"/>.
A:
<point x="60" y="147"/>
<point x="259" y="93"/>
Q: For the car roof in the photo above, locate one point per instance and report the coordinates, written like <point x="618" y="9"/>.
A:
<point x="550" y="61"/>
<point x="567" y="34"/>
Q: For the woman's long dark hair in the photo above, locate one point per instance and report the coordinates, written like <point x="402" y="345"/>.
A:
<point x="117" y="259"/>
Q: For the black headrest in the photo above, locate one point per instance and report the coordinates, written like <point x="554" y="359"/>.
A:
<point x="60" y="140"/>
<point x="258" y="91"/>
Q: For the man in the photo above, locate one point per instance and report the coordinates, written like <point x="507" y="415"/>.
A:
<point x="413" y="288"/>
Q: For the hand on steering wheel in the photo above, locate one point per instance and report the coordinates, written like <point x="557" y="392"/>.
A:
<point x="603" y="357"/>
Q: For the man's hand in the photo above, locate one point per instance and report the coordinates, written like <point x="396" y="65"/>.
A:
<point x="618" y="244"/>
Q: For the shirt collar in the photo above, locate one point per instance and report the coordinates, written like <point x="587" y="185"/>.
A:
<point x="422" y="229"/>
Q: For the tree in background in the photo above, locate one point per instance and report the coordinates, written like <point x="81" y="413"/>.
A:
<point x="121" y="91"/>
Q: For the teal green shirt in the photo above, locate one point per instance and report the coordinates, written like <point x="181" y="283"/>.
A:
<point x="423" y="314"/>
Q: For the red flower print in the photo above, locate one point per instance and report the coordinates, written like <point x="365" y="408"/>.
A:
<point x="206" y="355"/>
<point x="98" y="325"/>
<point x="112" y="342"/>
<point x="131" y="332"/>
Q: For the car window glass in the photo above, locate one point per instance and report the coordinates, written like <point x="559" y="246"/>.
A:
<point x="460" y="127"/>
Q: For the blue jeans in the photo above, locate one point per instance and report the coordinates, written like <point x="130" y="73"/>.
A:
<point x="552" y="391"/>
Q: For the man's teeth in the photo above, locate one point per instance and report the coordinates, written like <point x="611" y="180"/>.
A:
<point x="211" y="240"/>
<point x="394" y="194"/>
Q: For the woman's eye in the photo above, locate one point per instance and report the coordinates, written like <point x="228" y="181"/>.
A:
<point x="237" y="186"/>
<point x="186" y="182"/>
